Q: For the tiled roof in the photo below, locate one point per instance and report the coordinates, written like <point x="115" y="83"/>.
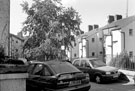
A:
<point x="120" y="23"/>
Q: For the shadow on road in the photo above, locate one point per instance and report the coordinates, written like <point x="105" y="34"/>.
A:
<point x="122" y="79"/>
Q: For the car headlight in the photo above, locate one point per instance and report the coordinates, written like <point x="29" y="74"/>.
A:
<point x="107" y="73"/>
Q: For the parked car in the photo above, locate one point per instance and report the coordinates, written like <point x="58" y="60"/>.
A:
<point x="97" y="69"/>
<point x="11" y="65"/>
<point x="56" y="76"/>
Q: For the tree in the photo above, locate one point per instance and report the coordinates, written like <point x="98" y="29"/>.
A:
<point x="50" y="25"/>
<point x="2" y="54"/>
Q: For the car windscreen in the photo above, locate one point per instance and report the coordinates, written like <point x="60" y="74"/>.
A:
<point x="97" y="63"/>
<point x="64" y="67"/>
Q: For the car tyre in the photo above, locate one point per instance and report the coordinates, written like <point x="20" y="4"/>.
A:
<point x="98" y="79"/>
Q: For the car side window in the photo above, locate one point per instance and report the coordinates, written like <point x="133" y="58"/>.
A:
<point x="83" y="62"/>
<point x="46" y="72"/>
<point x="30" y="68"/>
<point x="87" y="64"/>
<point x="38" y="69"/>
<point x="76" y="63"/>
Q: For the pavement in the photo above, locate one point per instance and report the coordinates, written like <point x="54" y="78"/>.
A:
<point x="130" y="75"/>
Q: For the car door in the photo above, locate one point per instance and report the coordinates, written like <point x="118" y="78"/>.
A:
<point x="91" y="72"/>
<point x="35" y="75"/>
<point x="46" y="79"/>
<point x="84" y="66"/>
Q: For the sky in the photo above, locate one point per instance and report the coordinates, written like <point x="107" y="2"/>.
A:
<point x="91" y="11"/>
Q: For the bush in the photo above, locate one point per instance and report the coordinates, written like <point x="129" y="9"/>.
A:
<point x="123" y="61"/>
<point x="2" y="54"/>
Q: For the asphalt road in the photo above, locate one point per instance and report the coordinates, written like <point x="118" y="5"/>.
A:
<point x="113" y="86"/>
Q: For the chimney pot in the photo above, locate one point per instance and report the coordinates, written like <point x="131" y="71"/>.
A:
<point x="90" y="27"/>
<point x="110" y="18"/>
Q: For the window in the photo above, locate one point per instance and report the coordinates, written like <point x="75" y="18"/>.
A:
<point x="30" y="69"/>
<point x="83" y="62"/>
<point x="46" y="72"/>
<point x="130" y="32"/>
<point x="101" y="52"/>
<point x="100" y="39"/>
<point x="130" y="54"/>
<point x="64" y="67"/>
<point x="87" y="64"/>
<point x="16" y="41"/>
<point x="38" y="69"/>
<point x="93" y="40"/>
<point x="75" y="55"/>
<point x="76" y="63"/>
<point x="93" y="53"/>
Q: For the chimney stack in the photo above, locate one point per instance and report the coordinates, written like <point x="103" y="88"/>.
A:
<point x="96" y="26"/>
<point x="118" y="17"/>
<point x="110" y="18"/>
<point x="90" y="27"/>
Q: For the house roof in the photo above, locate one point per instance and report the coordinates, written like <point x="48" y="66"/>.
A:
<point x="116" y="24"/>
<point x="120" y="23"/>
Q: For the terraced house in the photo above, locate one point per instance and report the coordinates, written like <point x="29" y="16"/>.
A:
<point x="16" y="45"/>
<point x="108" y="41"/>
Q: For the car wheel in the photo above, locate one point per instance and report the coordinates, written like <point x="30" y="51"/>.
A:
<point x="98" y="79"/>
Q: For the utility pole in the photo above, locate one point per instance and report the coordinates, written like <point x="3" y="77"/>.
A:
<point x="127" y="9"/>
<point x="8" y="27"/>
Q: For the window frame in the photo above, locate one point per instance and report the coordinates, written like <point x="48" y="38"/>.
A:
<point x="35" y="69"/>
<point x="49" y="71"/>
<point x="130" y="32"/>
<point x="86" y="63"/>
<point x="130" y="53"/>
<point x="78" y="62"/>
<point x="93" y="54"/>
<point x="93" y="40"/>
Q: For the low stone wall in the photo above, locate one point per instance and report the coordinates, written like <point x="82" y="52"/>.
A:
<point x="13" y="82"/>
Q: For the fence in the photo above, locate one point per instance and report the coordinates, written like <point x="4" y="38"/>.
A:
<point x="123" y="62"/>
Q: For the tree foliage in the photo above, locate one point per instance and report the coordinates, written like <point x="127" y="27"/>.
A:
<point x="49" y="26"/>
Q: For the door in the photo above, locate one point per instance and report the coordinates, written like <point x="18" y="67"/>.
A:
<point x="34" y="75"/>
<point x="84" y="66"/>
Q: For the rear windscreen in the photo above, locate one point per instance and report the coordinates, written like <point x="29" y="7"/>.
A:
<point x="64" y="67"/>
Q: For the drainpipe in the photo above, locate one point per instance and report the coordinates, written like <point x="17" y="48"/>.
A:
<point x="123" y="39"/>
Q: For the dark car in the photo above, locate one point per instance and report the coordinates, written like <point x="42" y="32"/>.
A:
<point x="97" y="69"/>
<point x="56" y="76"/>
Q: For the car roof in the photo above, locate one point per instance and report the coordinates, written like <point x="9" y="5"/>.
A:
<point x="47" y="62"/>
<point x="86" y="58"/>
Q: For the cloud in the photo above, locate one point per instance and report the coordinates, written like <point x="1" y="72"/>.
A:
<point x="68" y="2"/>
